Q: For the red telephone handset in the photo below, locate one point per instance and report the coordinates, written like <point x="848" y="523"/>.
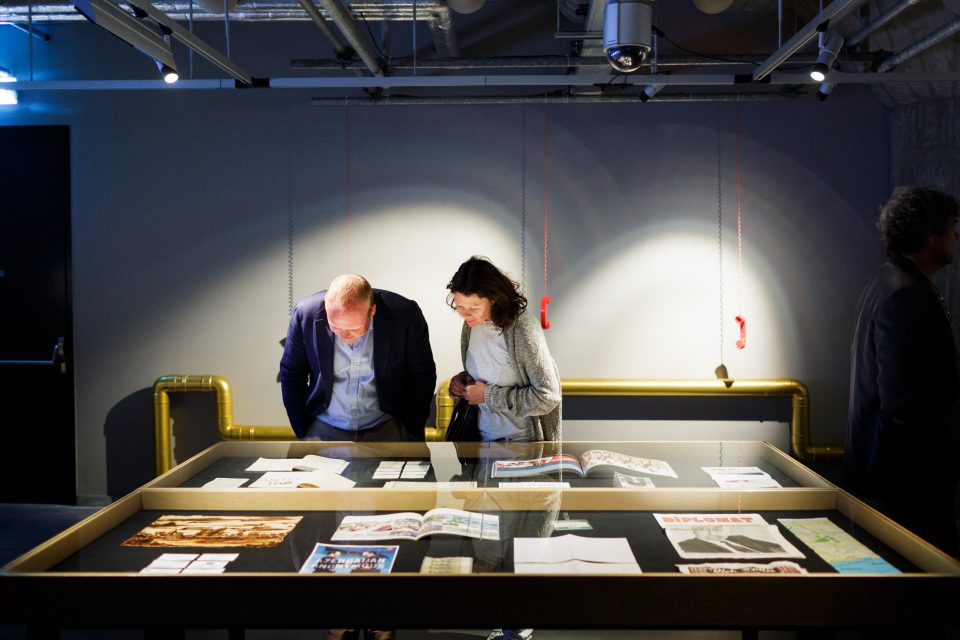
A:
<point x="544" y="301"/>
<point x="742" y="342"/>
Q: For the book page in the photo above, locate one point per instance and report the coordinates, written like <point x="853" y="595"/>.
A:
<point x="549" y="464"/>
<point x="609" y="460"/>
<point x="391" y="526"/>
<point x="460" y="523"/>
<point x="572" y="547"/>
<point x="294" y="479"/>
<point x="320" y="463"/>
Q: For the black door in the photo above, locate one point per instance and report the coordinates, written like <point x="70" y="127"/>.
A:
<point x="37" y="431"/>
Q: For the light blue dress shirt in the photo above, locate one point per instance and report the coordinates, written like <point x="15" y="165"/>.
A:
<point x="353" y="403"/>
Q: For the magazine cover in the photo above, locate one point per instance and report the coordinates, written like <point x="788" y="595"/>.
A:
<point x="347" y="558"/>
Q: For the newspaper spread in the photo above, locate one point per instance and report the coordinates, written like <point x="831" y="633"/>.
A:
<point x="781" y="566"/>
<point x="719" y="535"/>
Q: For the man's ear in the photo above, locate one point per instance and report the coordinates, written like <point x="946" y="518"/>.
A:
<point x="373" y="310"/>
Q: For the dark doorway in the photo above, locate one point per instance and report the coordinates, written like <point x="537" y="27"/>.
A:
<point x="36" y="367"/>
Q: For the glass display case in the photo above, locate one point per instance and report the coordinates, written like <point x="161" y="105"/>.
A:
<point x="690" y="535"/>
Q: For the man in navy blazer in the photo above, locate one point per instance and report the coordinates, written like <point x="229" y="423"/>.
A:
<point x="357" y="365"/>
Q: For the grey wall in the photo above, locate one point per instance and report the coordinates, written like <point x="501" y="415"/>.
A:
<point x="184" y="204"/>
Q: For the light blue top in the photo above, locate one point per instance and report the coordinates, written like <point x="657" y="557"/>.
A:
<point x="353" y="403"/>
<point x="489" y="361"/>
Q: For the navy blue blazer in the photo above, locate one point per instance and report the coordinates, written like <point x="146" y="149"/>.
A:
<point x="402" y="362"/>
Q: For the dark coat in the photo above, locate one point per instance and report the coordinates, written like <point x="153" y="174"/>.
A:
<point x="402" y="362"/>
<point x="902" y="421"/>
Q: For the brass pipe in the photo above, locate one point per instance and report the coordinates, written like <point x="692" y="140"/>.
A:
<point x="799" y="416"/>
<point x="796" y="390"/>
<point x="224" y="398"/>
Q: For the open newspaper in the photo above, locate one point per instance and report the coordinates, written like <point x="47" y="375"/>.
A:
<point x="725" y="535"/>
<point x="595" y="461"/>
<point x="413" y="526"/>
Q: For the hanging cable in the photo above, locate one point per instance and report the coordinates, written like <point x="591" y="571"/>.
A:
<point x="741" y="319"/>
<point x="190" y="49"/>
<point x="346" y="182"/>
<point x="289" y="230"/>
<point x="545" y="300"/>
<point x="523" y="198"/>
<point x="226" y="26"/>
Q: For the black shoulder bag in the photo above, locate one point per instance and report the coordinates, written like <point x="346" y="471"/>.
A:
<point x="463" y="425"/>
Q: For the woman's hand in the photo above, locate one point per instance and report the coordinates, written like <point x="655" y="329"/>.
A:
<point x="458" y="385"/>
<point x="475" y="392"/>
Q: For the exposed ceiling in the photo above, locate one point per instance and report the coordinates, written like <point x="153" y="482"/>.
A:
<point x="515" y="50"/>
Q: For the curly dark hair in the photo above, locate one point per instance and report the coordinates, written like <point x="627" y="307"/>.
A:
<point x="912" y="215"/>
<point x="478" y="276"/>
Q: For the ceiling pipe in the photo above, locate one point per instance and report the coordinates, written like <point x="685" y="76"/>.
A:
<point x="557" y="62"/>
<point x="348" y="26"/>
<point x="940" y="34"/>
<point x="441" y="27"/>
<point x="280" y="11"/>
<point x="879" y="21"/>
<point x="837" y="10"/>
<point x="339" y="44"/>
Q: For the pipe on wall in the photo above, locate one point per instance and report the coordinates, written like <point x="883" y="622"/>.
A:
<point x="800" y="443"/>
<point x="165" y="385"/>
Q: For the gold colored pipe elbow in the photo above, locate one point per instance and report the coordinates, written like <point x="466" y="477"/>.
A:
<point x="224" y="398"/>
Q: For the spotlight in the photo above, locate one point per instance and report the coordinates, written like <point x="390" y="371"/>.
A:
<point x="626" y="33"/>
<point x="829" y="48"/>
<point x="170" y="75"/>
<point x="649" y="91"/>
<point x="7" y="96"/>
<point x="825" y="90"/>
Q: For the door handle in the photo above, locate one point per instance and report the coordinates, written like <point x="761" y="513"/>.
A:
<point x="58" y="359"/>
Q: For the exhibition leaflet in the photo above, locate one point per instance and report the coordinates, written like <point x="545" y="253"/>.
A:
<point x="348" y="558"/>
<point x="836" y="546"/>
<point x="293" y="479"/>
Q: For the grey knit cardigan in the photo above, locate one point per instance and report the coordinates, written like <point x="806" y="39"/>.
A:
<point x="537" y="396"/>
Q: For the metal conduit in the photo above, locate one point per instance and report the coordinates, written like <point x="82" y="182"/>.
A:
<point x="794" y="389"/>
<point x="879" y="21"/>
<point x="284" y="10"/>
<point x="940" y="34"/>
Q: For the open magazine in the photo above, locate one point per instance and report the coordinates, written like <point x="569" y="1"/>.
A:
<point x="413" y="526"/>
<point x="595" y="461"/>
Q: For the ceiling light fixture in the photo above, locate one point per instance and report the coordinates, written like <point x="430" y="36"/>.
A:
<point x="627" y="26"/>
<point x="170" y="75"/>
<point x="649" y="91"/>
<point x="130" y="29"/>
<point x="830" y="45"/>
<point x="825" y="90"/>
<point x="7" y="96"/>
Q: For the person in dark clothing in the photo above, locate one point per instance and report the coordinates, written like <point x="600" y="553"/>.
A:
<point x="901" y="441"/>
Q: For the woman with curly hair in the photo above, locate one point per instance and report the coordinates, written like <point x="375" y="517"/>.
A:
<point x="508" y="370"/>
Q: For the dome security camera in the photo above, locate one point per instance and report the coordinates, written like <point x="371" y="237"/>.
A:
<point x="627" y="25"/>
